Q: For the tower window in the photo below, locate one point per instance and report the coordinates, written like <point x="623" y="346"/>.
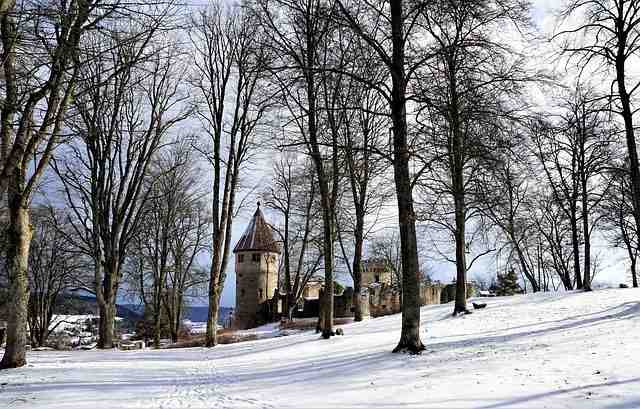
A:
<point x="240" y="258"/>
<point x="242" y="292"/>
<point x="255" y="257"/>
<point x="260" y="292"/>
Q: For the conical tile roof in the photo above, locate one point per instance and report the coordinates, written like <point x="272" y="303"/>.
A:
<point x="258" y="236"/>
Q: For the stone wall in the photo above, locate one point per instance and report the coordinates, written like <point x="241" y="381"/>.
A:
<point x="449" y="292"/>
<point x="376" y="275"/>
<point x="430" y="294"/>
<point x="342" y="306"/>
<point x="312" y="289"/>
<point x="383" y="300"/>
<point x="378" y="300"/>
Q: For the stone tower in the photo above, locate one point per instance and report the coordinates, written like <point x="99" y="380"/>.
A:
<point x="256" y="256"/>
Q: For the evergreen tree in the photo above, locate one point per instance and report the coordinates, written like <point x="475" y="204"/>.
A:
<point x="508" y="283"/>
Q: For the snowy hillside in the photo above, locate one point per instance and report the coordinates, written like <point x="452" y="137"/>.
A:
<point x="538" y="351"/>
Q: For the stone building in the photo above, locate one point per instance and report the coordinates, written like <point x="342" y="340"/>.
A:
<point x="384" y="296"/>
<point x="256" y="255"/>
<point x="258" y="298"/>
<point x="375" y="271"/>
<point x="312" y="289"/>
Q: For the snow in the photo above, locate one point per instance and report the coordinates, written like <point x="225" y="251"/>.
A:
<point x="569" y="350"/>
<point x="60" y="323"/>
<point x="195" y="327"/>
<point x="271" y="330"/>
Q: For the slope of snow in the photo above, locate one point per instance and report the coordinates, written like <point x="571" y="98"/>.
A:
<point x="567" y="350"/>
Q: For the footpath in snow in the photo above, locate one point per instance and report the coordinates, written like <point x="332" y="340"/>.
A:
<point x="575" y="350"/>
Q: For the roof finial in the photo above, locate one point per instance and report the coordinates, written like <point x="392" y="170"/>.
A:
<point x="258" y="204"/>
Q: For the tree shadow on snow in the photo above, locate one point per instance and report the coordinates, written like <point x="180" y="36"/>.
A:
<point x="529" y="398"/>
<point x="628" y="310"/>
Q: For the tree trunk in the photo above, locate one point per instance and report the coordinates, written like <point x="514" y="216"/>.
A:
<point x="175" y="330"/>
<point x="627" y="116"/>
<point x="631" y="250"/>
<point x="535" y="284"/>
<point x="357" y="256"/>
<point x="456" y="167"/>
<point x="221" y="244"/>
<point x="107" y="304"/>
<point x="212" y="318"/>
<point x="323" y="184"/>
<point x="9" y="108"/>
<point x="327" y="310"/>
<point x="357" y="273"/>
<point x="106" y="328"/>
<point x="214" y="285"/>
<point x="587" y="242"/>
<point x="321" y="316"/>
<point x="19" y="235"/>
<point x="156" y="329"/>
<point x="461" y="260"/>
<point x="42" y="336"/>
<point x="286" y="305"/>
<point x="410" y="333"/>
<point x="576" y="250"/>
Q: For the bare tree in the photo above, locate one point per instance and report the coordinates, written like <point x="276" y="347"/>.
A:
<point x="386" y="248"/>
<point x="120" y="124"/>
<point x="605" y="34"/>
<point x="299" y="32"/>
<point x="467" y="93"/>
<point x="564" y="184"/>
<point x="389" y="31"/>
<point x="553" y="226"/>
<point x="619" y="222"/>
<point x="54" y="267"/>
<point x="40" y="67"/>
<point x="228" y="74"/>
<point x="575" y="152"/>
<point x="171" y="235"/>
<point x="293" y="197"/>
<point x="363" y="133"/>
<point x="506" y="195"/>
<point x="186" y="279"/>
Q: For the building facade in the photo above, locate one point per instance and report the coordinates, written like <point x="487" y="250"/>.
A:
<point x="256" y="266"/>
<point x="375" y="272"/>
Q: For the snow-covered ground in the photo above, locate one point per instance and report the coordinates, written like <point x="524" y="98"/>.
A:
<point x="539" y="351"/>
<point x="70" y="322"/>
<point x="195" y="327"/>
<point x="61" y="322"/>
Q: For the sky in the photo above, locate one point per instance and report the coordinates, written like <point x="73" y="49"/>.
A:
<point x="611" y="261"/>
